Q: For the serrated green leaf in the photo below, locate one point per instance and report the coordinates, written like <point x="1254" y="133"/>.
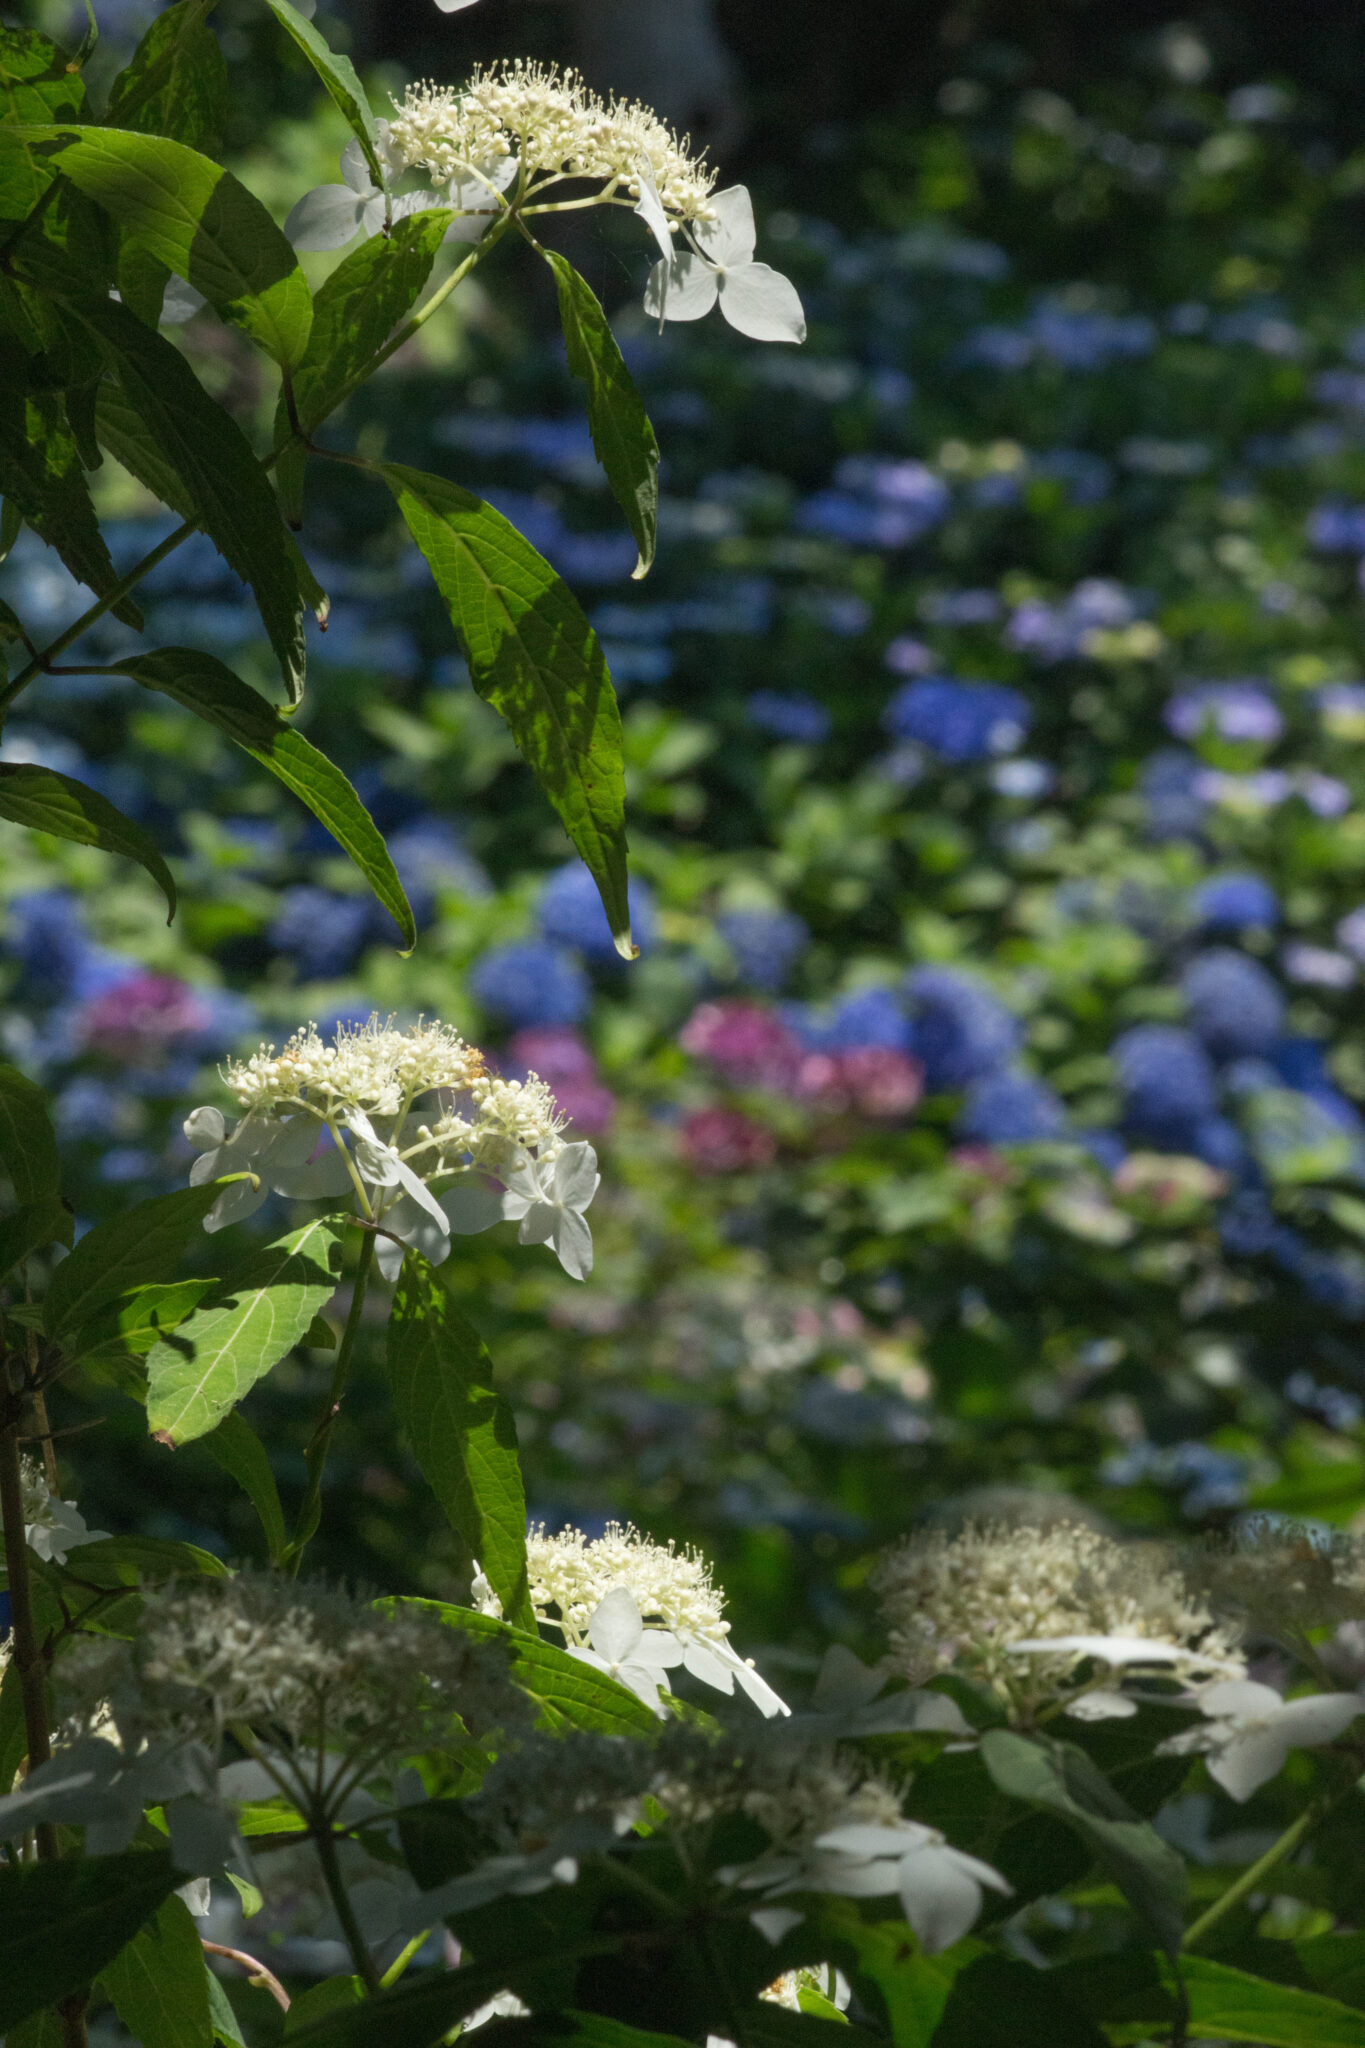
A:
<point x="61" y="1922"/>
<point x="1136" y="1988"/>
<point x="621" y="430"/>
<point x="44" y="801"/>
<point x="128" y="1251"/>
<point x="1059" y="1778"/>
<point x="534" y="658"/>
<point x="197" y="219"/>
<point x="142" y="285"/>
<point x="886" y="1962"/>
<point x="35" y="86"/>
<point x="240" y="1451"/>
<point x="129" y="1325"/>
<point x="339" y="77"/>
<point x="176" y="83"/>
<point x="158" y="1984"/>
<point x="252" y="1320"/>
<point x="128" y="1560"/>
<point x="359" y="306"/>
<point x="28" y="1143"/>
<point x="319" y="2000"/>
<point x="461" y="1429"/>
<point x="206" y="686"/>
<point x="571" y="1694"/>
<point x="29" y="1228"/>
<point x="41" y="473"/>
<point x="194" y="455"/>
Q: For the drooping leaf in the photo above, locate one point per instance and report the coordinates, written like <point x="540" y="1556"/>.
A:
<point x="1225" y="2004"/>
<point x="28" y="1143"/>
<point x="461" y="1429"/>
<point x="1058" y="1778"/>
<point x="125" y="1560"/>
<point x="314" y="2004"/>
<point x="35" y="86"/>
<point x="177" y="82"/>
<point x="61" y="1922"/>
<point x="240" y="1451"/>
<point x="225" y="2026"/>
<point x="359" y="306"/>
<point x="999" y="2003"/>
<point x="534" y="658"/>
<point x="29" y="1228"/>
<point x="621" y="430"/>
<point x="41" y="472"/>
<point x="571" y="1694"/>
<point x="45" y="801"/>
<point x="142" y="285"/>
<point x="338" y="75"/>
<point x="240" y="1330"/>
<point x="195" y="455"/>
<point x="208" y="687"/>
<point x="158" y="1983"/>
<point x="129" y="1250"/>
<point x="198" y="220"/>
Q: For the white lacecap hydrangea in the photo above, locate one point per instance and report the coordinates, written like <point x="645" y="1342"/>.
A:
<point x="52" y="1526"/>
<point x="602" y="1593"/>
<point x="323" y="1121"/>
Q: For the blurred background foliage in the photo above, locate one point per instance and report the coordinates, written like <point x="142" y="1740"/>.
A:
<point x="984" y="1121"/>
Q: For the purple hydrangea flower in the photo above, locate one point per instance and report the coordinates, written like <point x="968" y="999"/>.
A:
<point x="1227" y="711"/>
<point x="1167" y="1082"/>
<point x="961" y="1032"/>
<point x="788" y="716"/>
<point x="530" y="984"/>
<point x="875" y="1016"/>
<point x="1231" y="903"/>
<point x="1235" y="1006"/>
<point x="321" y="930"/>
<point x="1011" y="1108"/>
<point x="958" y="721"/>
<point x="766" y="944"/>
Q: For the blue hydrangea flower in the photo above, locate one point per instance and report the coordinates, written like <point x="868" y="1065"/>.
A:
<point x="1231" y="903"/>
<point x="531" y="983"/>
<point x="1173" y="795"/>
<point x="1167" y="1082"/>
<point x="47" y="938"/>
<point x="571" y="914"/>
<point x="959" y="721"/>
<point x="1011" y="1108"/>
<point x="875" y="1016"/>
<point x="1234" y="1005"/>
<point x="1247" y="1223"/>
<point x="788" y="716"/>
<point x="766" y="944"/>
<point x="430" y="858"/>
<point x="322" y="931"/>
<point x="961" y="1032"/>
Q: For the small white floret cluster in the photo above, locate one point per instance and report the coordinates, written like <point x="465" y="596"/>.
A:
<point x="600" y="1593"/>
<point x="327" y="1120"/>
<point x="52" y="1526"/>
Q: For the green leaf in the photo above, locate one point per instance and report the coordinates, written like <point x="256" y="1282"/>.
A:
<point x="333" y="1995"/>
<point x="180" y="443"/>
<point x="39" y="2030"/>
<point x="177" y="81"/>
<point x="621" y="430"/>
<point x="225" y="2027"/>
<point x="596" y="2030"/>
<point x="1058" y="1778"/>
<point x="245" y="1326"/>
<point x="35" y="85"/>
<point x="461" y="1430"/>
<point x="199" y="221"/>
<point x="358" y="308"/>
<point x="997" y="2003"/>
<point x="414" y="2016"/>
<point x="1133" y="1988"/>
<point x="534" y="658"/>
<point x="127" y="1560"/>
<point x="885" y="1956"/>
<point x="765" y="2025"/>
<point x="240" y="1451"/>
<point x="61" y="1922"/>
<point x="570" y="1694"/>
<point x="28" y="1143"/>
<point x="129" y="1250"/>
<point x="142" y="285"/>
<point x="339" y="77"/>
<point x="13" y="1730"/>
<point x="158" y="1984"/>
<point x="207" y="687"/>
<point x="45" y="801"/>
<point x="41" y="472"/>
<point x="128" y="1326"/>
<point x="29" y="1228"/>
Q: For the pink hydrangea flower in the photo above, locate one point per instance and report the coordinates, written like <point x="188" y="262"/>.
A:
<point x="725" y="1141"/>
<point x="747" y="1045"/>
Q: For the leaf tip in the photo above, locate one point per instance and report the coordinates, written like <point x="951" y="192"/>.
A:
<point x="625" y="944"/>
<point x="641" y="569"/>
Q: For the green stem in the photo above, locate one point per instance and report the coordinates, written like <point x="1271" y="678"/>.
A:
<point x="1251" y="1878"/>
<point x="310" y="1512"/>
<point x="97" y="611"/>
<point x="28" y="1656"/>
<point x="336" y="1890"/>
<point x="402" y="1959"/>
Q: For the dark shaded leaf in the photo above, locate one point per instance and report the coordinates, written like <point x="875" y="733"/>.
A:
<point x="240" y="1451"/>
<point x="339" y="77"/>
<point x="884" y="1960"/>
<point x="61" y="1922"/>
<point x="621" y="430"/>
<point x="996" y="2003"/>
<point x="414" y="2016"/>
<point x="35" y="86"/>
<point x="534" y="658"/>
<point x="208" y="687"/>
<point x="357" y="309"/>
<point x="42" y="474"/>
<point x="158" y="1985"/>
<point x="571" y="1694"/>
<point x="29" y="1228"/>
<point x="1136" y="1987"/>
<point x="45" y="801"/>
<point x="461" y="1429"/>
<point x="128" y="1251"/>
<point x="176" y="83"/>
<point x="28" y="1143"/>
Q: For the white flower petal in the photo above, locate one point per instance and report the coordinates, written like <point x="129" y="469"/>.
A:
<point x="375" y="212"/>
<point x="205" y="1128"/>
<point x="456" y="7"/>
<point x="1249" y="1761"/>
<point x="650" y="207"/>
<point x="413" y="1223"/>
<point x="844" y="1682"/>
<point x="242" y="1199"/>
<point x="616" y="1626"/>
<point x="658" y="1646"/>
<point x="773" y="1922"/>
<point x="327" y="1175"/>
<point x="936" y="1714"/>
<point x="539" y="1223"/>
<point x="1239" y="1699"/>
<point x="1115" y="1650"/>
<point x="940" y="1901"/>
<point x="389" y="1258"/>
<point x="572" y="1241"/>
<point x="729" y="239"/>
<point x="761" y="303"/>
<point x="1319" y="1718"/>
<point x="472" y="1205"/>
<point x="760" y="1692"/>
<point x="701" y="1660"/>
<point x="1102" y="1706"/>
<point x="866" y="1838"/>
<point x="417" y="1191"/>
<point x="684" y="289"/>
<point x="326" y="218"/>
<point x="355" y="170"/>
<point x="379" y="1164"/>
<point x="576" y="1179"/>
<point x="522" y="1178"/>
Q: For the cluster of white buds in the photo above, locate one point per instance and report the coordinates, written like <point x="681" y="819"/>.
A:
<point x="601" y="1593"/>
<point x="328" y="1120"/>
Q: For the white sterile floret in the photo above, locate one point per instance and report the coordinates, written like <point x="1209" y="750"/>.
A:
<point x="548" y="1197"/>
<point x="52" y="1526"/>
<point x="331" y="215"/>
<point x="1253" y="1730"/>
<point x="757" y="300"/>
<point x="555" y="128"/>
<point x="620" y="1644"/>
<point x="575" y="1576"/>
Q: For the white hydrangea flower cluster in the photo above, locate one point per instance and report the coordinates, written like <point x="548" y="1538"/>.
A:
<point x="326" y="1120"/>
<point x="1022" y="1609"/>
<point x="52" y="1526"/>
<point x="603" y="1590"/>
